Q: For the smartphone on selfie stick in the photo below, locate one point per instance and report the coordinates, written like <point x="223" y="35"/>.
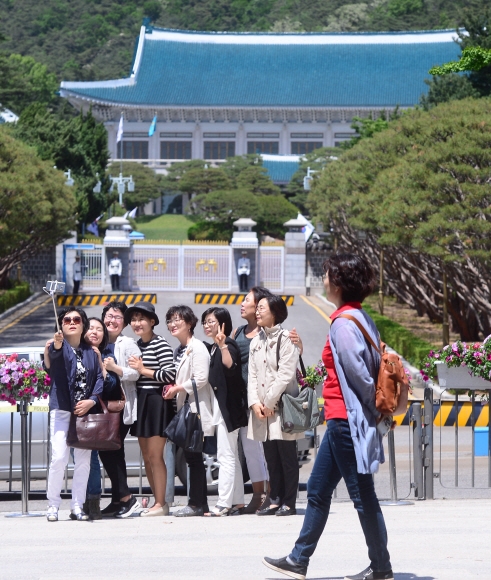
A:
<point x="54" y="287"/>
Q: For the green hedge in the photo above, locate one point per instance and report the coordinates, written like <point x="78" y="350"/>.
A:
<point x="13" y="296"/>
<point x="402" y="340"/>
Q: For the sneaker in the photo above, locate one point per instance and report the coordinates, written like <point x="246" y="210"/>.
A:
<point x="52" y="514"/>
<point x="282" y="565"/>
<point x="111" y="510"/>
<point x="128" y="507"/>
<point x="369" y="574"/>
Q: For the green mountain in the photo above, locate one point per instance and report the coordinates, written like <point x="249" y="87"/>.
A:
<point x="95" y="39"/>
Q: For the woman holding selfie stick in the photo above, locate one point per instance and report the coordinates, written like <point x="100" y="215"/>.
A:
<point x="76" y="381"/>
<point x="156" y="368"/>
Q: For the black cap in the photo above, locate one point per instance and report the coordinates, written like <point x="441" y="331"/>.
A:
<point x="146" y="308"/>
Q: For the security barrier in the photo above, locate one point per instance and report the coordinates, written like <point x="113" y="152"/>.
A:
<point x="230" y="299"/>
<point x="450" y="413"/>
<point x="83" y="300"/>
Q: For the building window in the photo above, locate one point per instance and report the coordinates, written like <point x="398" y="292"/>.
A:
<point x="171" y="135"/>
<point x="219" y="135"/>
<point x="307" y="135"/>
<point x="303" y="147"/>
<point x="175" y="150"/>
<point x="263" y="135"/>
<point x="127" y="135"/>
<point x="219" y="149"/>
<point x="133" y="149"/>
<point x="263" y="147"/>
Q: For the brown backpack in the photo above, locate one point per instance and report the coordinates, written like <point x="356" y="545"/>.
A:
<point x="392" y="388"/>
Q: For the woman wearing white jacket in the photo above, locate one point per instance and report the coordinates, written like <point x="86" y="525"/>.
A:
<point x="192" y="363"/>
<point x="272" y="372"/>
<point x="123" y="504"/>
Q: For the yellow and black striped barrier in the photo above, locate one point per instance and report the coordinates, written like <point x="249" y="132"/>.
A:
<point x="446" y="414"/>
<point x="83" y="300"/>
<point x="230" y="299"/>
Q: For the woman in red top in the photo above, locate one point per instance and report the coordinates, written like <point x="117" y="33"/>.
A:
<point x="352" y="446"/>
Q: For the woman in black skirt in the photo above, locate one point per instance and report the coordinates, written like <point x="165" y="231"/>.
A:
<point x="157" y="369"/>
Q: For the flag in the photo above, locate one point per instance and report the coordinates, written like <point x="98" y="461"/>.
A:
<point x="120" y="130"/>
<point x="153" y="126"/>
<point x="132" y="213"/>
<point x="308" y="228"/>
<point x="93" y="228"/>
<point x="126" y="214"/>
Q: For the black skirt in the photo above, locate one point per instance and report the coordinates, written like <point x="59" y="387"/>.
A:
<point x="153" y="413"/>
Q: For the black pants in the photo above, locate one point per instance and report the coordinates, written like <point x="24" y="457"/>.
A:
<point x="76" y="286"/>
<point x="197" y="480"/>
<point x="243" y="279"/>
<point x="281" y="457"/>
<point x="114" y="281"/>
<point x="115" y="465"/>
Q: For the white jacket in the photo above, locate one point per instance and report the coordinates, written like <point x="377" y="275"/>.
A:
<point x="195" y="364"/>
<point x="268" y="381"/>
<point x="123" y="349"/>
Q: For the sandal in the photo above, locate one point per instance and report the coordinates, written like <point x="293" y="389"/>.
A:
<point x="236" y="510"/>
<point x="218" y="512"/>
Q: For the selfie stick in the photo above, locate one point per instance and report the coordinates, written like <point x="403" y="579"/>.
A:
<point x="51" y="288"/>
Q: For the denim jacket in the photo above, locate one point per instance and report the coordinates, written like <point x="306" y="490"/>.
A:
<point x="62" y="371"/>
<point x="357" y="367"/>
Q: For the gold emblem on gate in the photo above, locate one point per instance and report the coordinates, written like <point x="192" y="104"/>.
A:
<point x="206" y="265"/>
<point x="155" y="264"/>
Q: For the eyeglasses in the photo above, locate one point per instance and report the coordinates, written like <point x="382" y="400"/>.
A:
<point x="174" y="321"/>
<point x="112" y="317"/>
<point x="209" y="322"/>
<point x="70" y="319"/>
<point x="261" y="309"/>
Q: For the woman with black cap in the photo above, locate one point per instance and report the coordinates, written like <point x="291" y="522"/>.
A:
<point x="156" y="368"/>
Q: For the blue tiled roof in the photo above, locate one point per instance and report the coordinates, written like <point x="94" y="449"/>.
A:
<point x="280" y="171"/>
<point x="195" y="72"/>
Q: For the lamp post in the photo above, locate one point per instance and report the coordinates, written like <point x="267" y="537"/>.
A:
<point x="308" y="178"/>
<point x="121" y="183"/>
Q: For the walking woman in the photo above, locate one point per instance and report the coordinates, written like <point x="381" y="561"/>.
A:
<point x="352" y="446"/>
<point x="272" y="371"/>
<point x="156" y="368"/>
<point x="120" y="349"/>
<point x="229" y="409"/>
<point x="76" y="381"/>
<point x="193" y="364"/>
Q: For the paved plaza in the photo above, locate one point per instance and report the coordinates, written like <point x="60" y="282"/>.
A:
<point x="443" y="539"/>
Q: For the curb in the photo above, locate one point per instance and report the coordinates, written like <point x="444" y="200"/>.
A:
<point x="18" y="306"/>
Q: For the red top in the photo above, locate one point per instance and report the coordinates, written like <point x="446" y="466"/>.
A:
<point x="334" y="407"/>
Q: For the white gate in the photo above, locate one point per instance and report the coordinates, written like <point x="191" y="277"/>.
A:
<point x="155" y="267"/>
<point x="92" y="262"/>
<point x="207" y="268"/>
<point x="272" y="262"/>
<point x="176" y="267"/>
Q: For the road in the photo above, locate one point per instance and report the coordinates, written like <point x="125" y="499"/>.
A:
<point x="38" y="324"/>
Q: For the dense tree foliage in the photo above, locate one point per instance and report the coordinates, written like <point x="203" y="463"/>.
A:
<point x="475" y="40"/>
<point x="421" y="190"/>
<point x="77" y="143"/>
<point x="37" y="210"/>
<point x="94" y="39"/>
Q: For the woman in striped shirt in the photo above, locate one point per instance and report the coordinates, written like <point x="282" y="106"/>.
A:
<point x="157" y="369"/>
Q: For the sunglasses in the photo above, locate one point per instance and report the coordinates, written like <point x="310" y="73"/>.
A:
<point x="70" y="319"/>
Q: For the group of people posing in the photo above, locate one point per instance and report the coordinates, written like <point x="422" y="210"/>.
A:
<point x="240" y="375"/>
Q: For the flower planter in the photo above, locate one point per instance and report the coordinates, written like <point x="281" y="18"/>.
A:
<point x="459" y="378"/>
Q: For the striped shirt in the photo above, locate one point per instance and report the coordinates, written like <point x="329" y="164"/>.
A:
<point x="157" y="356"/>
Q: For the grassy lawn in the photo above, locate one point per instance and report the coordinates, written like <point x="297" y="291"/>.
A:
<point x="164" y="227"/>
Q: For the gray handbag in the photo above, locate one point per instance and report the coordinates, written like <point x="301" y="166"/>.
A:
<point x="300" y="413"/>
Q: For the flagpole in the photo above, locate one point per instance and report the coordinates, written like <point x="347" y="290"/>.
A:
<point x="121" y="151"/>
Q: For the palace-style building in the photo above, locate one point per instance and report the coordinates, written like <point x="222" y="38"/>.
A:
<point x="216" y="95"/>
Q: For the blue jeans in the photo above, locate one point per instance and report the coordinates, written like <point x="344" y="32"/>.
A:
<point x="94" y="488"/>
<point x="335" y="460"/>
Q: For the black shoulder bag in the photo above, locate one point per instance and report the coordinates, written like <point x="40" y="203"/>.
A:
<point x="185" y="429"/>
